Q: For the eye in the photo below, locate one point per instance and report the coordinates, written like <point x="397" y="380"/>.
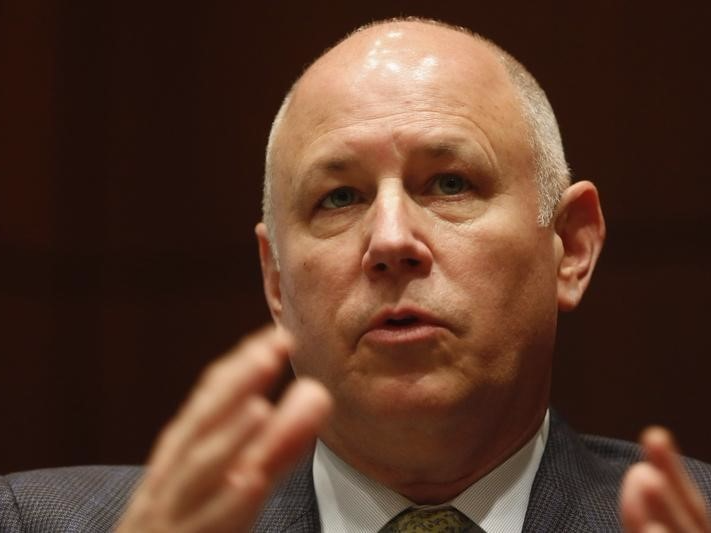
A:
<point x="341" y="197"/>
<point x="449" y="184"/>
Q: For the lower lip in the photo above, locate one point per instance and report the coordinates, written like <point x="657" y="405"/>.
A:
<point x="403" y="335"/>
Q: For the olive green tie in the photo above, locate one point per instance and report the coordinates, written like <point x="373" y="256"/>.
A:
<point x="442" y="520"/>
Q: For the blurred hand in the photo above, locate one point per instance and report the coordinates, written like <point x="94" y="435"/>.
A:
<point x="218" y="460"/>
<point x="658" y="496"/>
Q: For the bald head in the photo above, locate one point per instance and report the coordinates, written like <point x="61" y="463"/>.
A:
<point x="408" y="195"/>
<point x="396" y="60"/>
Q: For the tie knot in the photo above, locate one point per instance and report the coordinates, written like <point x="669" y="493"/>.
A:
<point x="442" y="520"/>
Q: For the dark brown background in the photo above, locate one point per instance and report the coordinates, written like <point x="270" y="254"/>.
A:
<point x="131" y="139"/>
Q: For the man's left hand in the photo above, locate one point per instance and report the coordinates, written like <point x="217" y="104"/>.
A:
<point x="658" y="496"/>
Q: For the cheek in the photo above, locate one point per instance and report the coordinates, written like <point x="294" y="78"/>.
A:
<point x="316" y="276"/>
<point x="316" y="284"/>
<point x="505" y="277"/>
<point x="301" y="286"/>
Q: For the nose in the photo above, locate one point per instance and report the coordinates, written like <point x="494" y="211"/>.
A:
<point x="396" y="244"/>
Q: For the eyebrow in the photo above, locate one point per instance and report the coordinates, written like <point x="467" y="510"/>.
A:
<point x="327" y="166"/>
<point x="458" y="149"/>
<point x="335" y="165"/>
<point x="435" y="150"/>
<point x="432" y="149"/>
<point x="440" y="149"/>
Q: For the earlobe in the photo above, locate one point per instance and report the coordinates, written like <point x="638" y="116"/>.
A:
<point x="580" y="227"/>
<point x="270" y="272"/>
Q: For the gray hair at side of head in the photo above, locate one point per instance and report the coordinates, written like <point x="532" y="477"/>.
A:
<point x="267" y="202"/>
<point x="552" y="175"/>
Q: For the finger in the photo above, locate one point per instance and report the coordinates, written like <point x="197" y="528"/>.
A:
<point x="285" y="438"/>
<point x="202" y="468"/>
<point x="662" y="452"/>
<point x="303" y="410"/>
<point x="655" y="527"/>
<point x="649" y="498"/>
<point x="250" y="368"/>
<point x="633" y="509"/>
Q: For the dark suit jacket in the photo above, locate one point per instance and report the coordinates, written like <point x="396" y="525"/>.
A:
<point x="575" y="489"/>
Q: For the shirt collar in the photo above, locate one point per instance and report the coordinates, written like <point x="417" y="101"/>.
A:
<point x="350" y="501"/>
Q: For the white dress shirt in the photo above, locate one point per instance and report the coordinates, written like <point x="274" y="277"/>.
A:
<point x="350" y="502"/>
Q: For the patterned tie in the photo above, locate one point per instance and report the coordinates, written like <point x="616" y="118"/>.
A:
<point x="442" y="520"/>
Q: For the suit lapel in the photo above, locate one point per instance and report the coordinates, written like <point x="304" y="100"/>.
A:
<point x="292" y="508"/>
<point x="552" y="505"/>
<point x="574" y="488"/>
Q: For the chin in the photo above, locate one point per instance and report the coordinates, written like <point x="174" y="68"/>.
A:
<point x="414" y="394"/>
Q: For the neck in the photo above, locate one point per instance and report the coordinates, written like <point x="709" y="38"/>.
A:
<point x="433" y="465"/>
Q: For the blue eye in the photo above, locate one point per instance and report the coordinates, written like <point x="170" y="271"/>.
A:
<point x="449" y="184"/>
<point x="341" y="197"/>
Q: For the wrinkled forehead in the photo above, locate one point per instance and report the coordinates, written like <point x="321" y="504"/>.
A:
<point x="402" y="69"/>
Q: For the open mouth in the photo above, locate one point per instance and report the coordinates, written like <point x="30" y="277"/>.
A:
<point x="403" y="326"/>
<point x="401" y="322"/>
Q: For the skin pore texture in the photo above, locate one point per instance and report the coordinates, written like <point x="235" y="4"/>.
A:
<point x="412" y="273"/>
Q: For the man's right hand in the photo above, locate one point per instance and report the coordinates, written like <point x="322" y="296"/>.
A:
<point x="218" y="460"/>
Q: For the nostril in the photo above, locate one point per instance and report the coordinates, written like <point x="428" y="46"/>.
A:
<point x="412" y="262"/>
<point x="381" y="267"/>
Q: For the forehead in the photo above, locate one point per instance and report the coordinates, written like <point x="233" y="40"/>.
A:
<point x="401" y="65"/>
<point x="404" y="73"/>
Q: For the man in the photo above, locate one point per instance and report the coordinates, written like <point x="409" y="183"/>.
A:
<point x="420" y="235"/>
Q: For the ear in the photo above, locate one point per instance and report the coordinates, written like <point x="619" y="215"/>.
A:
<point x="270" y="272"/>
<point x="580" y="227"/>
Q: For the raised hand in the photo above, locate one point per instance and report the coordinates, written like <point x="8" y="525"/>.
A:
<point x="217" y="461"/>
<point x="657" y="495"/>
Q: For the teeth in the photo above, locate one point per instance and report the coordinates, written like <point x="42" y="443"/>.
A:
<point x="405" y="321"/>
